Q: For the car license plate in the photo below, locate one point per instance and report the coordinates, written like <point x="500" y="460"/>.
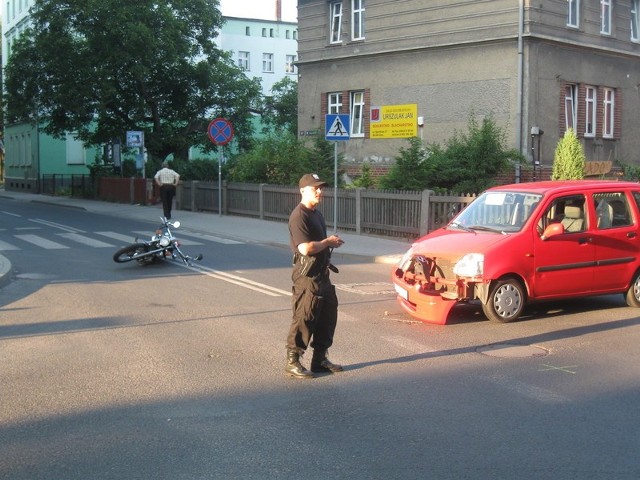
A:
<point x="401" y="291"/>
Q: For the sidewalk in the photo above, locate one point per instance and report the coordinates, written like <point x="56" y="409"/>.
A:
<point x="249" y="230"/>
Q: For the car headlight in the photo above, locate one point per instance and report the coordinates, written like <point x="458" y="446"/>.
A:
<point x="471" y="265"/>
<point x="406" y="258"/>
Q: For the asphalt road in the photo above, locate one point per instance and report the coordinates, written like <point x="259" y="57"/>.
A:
<point x="112" y="371"/>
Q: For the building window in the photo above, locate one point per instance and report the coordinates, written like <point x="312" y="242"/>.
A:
<point x="357" y="113"/>
<point x="287" y="34"/>
<point x="573" y="13"/>
<point x="635" y="10"/>
<point x="247" y="31"/>
<point x="334" y="102"/>
<point x="267" y="62"/>
<point x="264" y="32"/>
<point x="357" y="19"/>
<point x="335" y="21"/>
<point x="244" y="61"/>
<point x="290" y="66"/>
<point x="608" y="112"/>
<point x="295" y="34"/>
<point x="590" y="102"/>
<point x="570" y="95"/>
<point x="605" y="17"/>
<point x="271" y="32"/>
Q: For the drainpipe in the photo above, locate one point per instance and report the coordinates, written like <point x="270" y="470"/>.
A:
<point x="520" y="81"/>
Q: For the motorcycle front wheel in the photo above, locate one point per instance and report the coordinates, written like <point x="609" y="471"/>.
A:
<point x="130" y="252"/>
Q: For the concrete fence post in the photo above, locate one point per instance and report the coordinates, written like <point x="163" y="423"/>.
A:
<point x="359" y="210"/>
<point x="424" y="211"/>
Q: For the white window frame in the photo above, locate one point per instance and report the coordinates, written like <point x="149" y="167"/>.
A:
<point x="357" y="19"/>
<point x="573" y="13"/>
<point x="570" y="104"/>
<point x="605" y="17"/>
<point x="290" y="66"/>
<point x="244" y="61"/>
<point x="334" y="102"/>
<point x="635" y="20"/>
<point x="335" y="22"/>
<point x="356" y="107"/>
<point x="590" y="111"/>
<point x="608" y="112"/>
<point x="267" y="63"/>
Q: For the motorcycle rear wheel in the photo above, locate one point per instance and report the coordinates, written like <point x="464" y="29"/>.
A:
<point x="131" y="252"/>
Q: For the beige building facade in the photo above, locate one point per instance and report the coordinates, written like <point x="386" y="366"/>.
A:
<point x="537" y="68"/>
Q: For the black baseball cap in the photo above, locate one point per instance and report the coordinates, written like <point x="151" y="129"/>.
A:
<point x="311" y="180"/>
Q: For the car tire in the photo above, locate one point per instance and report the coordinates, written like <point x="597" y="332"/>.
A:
<point x="506" y="301"/>
<point x="633" y="294"/>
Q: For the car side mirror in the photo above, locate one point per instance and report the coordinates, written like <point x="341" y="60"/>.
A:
<point x="552" y="230"/>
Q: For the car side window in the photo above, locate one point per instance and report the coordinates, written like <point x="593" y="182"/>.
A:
<point x="569" y="211"/>
<point x="612" y="210"/>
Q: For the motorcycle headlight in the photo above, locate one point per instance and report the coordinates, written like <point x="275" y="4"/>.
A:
<point x="471" y="265"/>
<point x="164" y="242"/>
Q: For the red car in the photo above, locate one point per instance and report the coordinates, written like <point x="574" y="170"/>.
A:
<point x="527" y="242"/>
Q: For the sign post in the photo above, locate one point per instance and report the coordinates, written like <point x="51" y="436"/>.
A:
<point x="220" y="133"/>
<point x="135" y="139"/>
<point x="337" y="128"/>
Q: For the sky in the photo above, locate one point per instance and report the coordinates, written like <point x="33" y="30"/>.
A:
<point x="262" y="9"/>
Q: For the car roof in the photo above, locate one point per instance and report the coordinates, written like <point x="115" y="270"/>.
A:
<point x="561" y="186"/>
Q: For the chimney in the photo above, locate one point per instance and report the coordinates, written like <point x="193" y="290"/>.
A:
<point x="278" y="10"/>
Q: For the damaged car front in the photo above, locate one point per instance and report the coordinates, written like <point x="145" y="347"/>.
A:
<point x="458" y="263"/>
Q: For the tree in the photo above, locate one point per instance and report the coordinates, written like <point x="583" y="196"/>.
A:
<point x="408" y="172"/>
<point x="101" y="68"/>
<point x="569" y="158"/>
<point x="281" y="108"/>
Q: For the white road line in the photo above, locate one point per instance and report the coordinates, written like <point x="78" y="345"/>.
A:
<point x="41" y="242"/>
<point x="531" y="391"/>
<point x="92" y="242"/>
<point x="240" y="281"/>
<point x="12" y="214"/>
<point x="118" y="236"/>
<point x="4" y="246"/>
<point x="56" y="225"/>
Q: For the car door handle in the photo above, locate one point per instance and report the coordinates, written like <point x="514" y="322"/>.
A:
<point x="631" y="235"/>
<point x="583" y="240"/>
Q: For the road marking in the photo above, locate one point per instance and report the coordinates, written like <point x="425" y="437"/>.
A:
<point x="41" y="242"/>
<point x="118" y="236"/>
<point x="92" y="242"/>
<point x="526" y="390"/>
<point x="240" y="281"/>
<point x="56" y="225"/>
<point x="12" y="214"/>
<point x="7" y="246"/>
<point x="410" y="345"/>
<point x="562" y="369"/>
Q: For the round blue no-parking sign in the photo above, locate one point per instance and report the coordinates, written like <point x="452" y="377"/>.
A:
<point x="220" y="131"/>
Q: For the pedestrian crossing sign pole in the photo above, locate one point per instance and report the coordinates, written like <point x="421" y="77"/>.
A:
<point x="336" y="128"/>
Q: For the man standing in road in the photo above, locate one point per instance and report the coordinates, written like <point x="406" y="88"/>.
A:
<point x="167" y="180"/>
<point x="314" y="302"/>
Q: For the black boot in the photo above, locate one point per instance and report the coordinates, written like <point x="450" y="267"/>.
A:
<point x="294" y="368"/>
<point x="321" y="364"/>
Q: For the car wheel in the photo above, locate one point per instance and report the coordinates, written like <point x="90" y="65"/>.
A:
<point x="505" y="302"/>
<point x="633" y="294"/>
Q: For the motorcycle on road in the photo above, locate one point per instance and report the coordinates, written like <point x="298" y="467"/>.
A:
<point x="163" y="244"/>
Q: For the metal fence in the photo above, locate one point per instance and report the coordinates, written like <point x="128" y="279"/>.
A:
<point x="406" y="214"/>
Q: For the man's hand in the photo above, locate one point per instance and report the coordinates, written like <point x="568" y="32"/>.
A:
<point x="335" y="241"/>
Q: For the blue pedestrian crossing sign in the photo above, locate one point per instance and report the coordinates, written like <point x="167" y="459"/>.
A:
<point x="336" y="126"/>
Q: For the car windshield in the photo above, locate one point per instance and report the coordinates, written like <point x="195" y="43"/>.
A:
<point x="500" y="212"/>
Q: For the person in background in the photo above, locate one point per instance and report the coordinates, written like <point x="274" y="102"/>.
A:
<point x="167" y="180"/>
<point x="314" y="302"/>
